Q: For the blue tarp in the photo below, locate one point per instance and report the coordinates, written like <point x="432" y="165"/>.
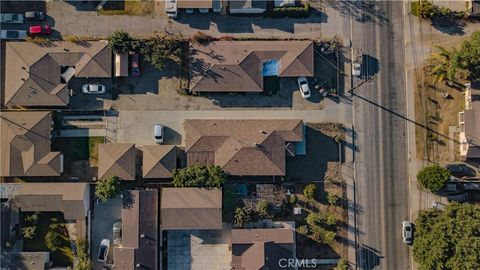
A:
<point x="270" y="68"/>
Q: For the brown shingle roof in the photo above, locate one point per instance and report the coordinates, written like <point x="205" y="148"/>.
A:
<point x="116" y="159"/>
<point x="255" y="249"/>
<point x="139" y="231"/>
<point x="236" y="66"/>
<point x="191" y="208"/>
<point x="53" y="197"/>
<point x="241" y="147"/>
<point x="159" y="161"/>
<point x="33" y="74"/>
<point x="26" y="145"/>
<point x="194" y="3"/>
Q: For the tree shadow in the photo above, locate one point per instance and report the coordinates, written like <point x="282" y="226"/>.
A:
<point x="368" y="257"/>
<point x="449" y="24"/>
<point x="362" y="11"/>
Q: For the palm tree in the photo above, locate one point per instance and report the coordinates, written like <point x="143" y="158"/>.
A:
<point x="446" y="65"/>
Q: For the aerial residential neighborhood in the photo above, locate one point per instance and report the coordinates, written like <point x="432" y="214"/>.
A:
<point x="240" y="134"/>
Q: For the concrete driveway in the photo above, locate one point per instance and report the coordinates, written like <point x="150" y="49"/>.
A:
<point x="136" y="126"/>
<point x="104" y="215"/>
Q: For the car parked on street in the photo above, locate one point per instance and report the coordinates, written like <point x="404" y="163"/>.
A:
<point x="135" y="65"/>
<point x="407" y="232"/>
<point x="13" y="34"/>
<point x="94" y="88"/>
<point x="158" y="133"/>
<point x="35" y="16"/>
<point x="39" y="30"/>
<point x="304" y="88"/>
<point x="11" y="18"/>
<point x="117" y="232"/>
<point x="459" y="170"/>
<point x="103" y="251"/>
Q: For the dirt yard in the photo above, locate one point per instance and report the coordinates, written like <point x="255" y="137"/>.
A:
<point x="436" y="113"/>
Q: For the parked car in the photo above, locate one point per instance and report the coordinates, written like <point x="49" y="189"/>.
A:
<point x="189" y="10"/>
<point x="11" y="18"/>
<point x="451" y="188"/>
<point x="304" y="88"/>
<point x="459" y="170"/>
<point x="458" y="198"/>
<point x="158" y="133"/>
<point x="135" y="65"/>
<point x="171" y="8"/>
<point x="407" y="232"/>
<point x="103" y="251"/>
<point x="117" y="232"/>
<point x="94" y="88"/>
<point x="203" y="10"/>
<point x="356" y="69"/>
<point x="13" y="34"/>
<point x="38" y="30"/>
<point x="34" y="16"/>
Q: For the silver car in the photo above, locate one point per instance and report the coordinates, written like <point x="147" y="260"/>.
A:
<point x="94" y="88"/>
<point x="117" y="232"/>
<point x="158" y="133"/>
<point x="13" y="34"/>
<point x="407" y="232"/>
<point x="103" y="250"/>
<point x="304" y="88"/>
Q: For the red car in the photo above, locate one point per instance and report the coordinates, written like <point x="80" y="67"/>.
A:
<point x="135" y="65"/>
<point x="38" y="30"/>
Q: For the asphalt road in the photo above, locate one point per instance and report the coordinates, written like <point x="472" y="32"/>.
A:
<point x="380" y="126"/>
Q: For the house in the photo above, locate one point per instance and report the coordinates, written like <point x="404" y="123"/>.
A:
<point x="116" y="159"/>
<point x="191" y="208"/>
<point x="470" y="7"/>
<point x="26" y="145"/>
<point x="247" y="6"/>
<point x="262" y="248"/>
<point x="138" y="249"/>
<point x="72" y="199"/>
<point x="159" y="161"/>
<point x="25" y="260"/>
<point x="39" y="75"/>
<point x="240" y="66"/>
<point x="242" y="147"/>
<point x="469" y="123"/>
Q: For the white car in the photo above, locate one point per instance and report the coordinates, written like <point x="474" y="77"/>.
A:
<point x="407" y="232"/>
<point x="103" y="250"/>
<point x="117" y="232"/>
<point x="94" y="88"/>
<point x="13" y="34"/>
<point x="304" y="88"/>
<point x="356" y="69"/>
<point x="171" y="8"/>
<point x="158" y="133"/>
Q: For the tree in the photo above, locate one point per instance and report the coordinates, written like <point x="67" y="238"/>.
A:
<point x="53" y="240"/>
<point x="29" y="232"/>
<point x="448" y="239"/>
<point x="332" y="198"/>
<point x="120" y="42"/>
<point x="303" y="230"/>
<point x="108" y="188"/>
<point x="83" y="262"/>
<point x="159" y="49"/>
<point x="433" y="177"/>
<point x="242" y="216"/>
<point x="263" y="208"/>
<point x="423" y="9"/>
<point x="329" y="236"/>
<point x="330" y="219"/>
<point x="32" y="219"/>
<point x="199" y="176"/>
<point x="309" y="191"/>
<point x="313" y="219"/>
<point x="342" y="264"/>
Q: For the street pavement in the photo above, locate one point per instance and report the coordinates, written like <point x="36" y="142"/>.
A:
<point x="380" y="127"/>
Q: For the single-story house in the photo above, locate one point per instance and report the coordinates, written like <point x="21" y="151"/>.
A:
<point x="38" y="75"/>
<point x="26" y="145"/>
<point x="191" y="208"/>
<point x="138" y="249"/>
<point x="242" y="147"/>
<point x="469" y="123"/>
<point x="240" y="66"/>
<point x="117" y="159"/>
<point x="262" y="248"/>
<point x="247" y="6"/>
<point x="159" y="161"/>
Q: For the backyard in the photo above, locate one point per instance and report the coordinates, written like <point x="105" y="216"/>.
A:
<point x="49" y="221"/>
<point x="436" y="110"/>
<point x="130" y="7"/>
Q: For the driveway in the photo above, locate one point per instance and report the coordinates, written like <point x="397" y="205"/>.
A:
<point x="136" y="126"/>
<point x="104" y="215"/>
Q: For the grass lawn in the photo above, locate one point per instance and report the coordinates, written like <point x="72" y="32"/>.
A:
<point x="81" y="148"/>
<point x="60" y="257"/>
<point x="130" y="7"/>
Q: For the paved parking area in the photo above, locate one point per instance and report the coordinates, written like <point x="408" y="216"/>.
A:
<point x="90" y="101"/>
<point x="104" y="215"/>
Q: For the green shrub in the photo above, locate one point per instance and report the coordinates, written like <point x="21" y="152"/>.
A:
<point x="332" y="198"/>
<point x="83" y="262"/>
<point x="53" y="240"/>
<point x="329" y="237"/>
<point x="263" y="209"/>
<point x="199" y="176"/>
<point x="29" y="232"/>
<point x="330" y="219"/>
<point x="120" y="42"/>
<point x="107" y="189"/>
<point x="303" y="230"/>
<point x="293" y="199"/>
<point x="423" y="9"/>
<point x="242" y="216"/>
<point x="309" y="191"/>
<point x="32" y="219"/>
<point x="433" y="177"/>
<point x="313" y="219"/>
<point x="342" y="264"/>
<point x="290" y="12"/>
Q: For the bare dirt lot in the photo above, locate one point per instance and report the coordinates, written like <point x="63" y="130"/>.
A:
<point x="436" y="110"/>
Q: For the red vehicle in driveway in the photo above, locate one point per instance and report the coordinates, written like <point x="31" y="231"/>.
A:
<point x="38" y="30"/>
<point x="135" y="65"/>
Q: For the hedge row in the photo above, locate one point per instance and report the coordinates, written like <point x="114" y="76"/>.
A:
<point x="290" y="12"/>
